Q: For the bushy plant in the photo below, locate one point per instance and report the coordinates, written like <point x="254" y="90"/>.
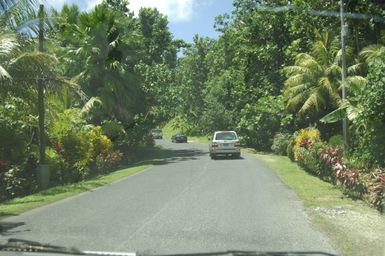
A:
<point x="108" y="160"/>
<point x="139" y="135"/>
<point x="76" y="150"/>
<point x="12" y="182"/>
<point x="311" y="162"/>
<point x="280" y="143"/>
<point x="60" y="170"/>
<point x="16" y="129"/>
<point x="336" y="140"/>
<point x="69" y="120"/>
<point x="260" y="121"/>
<point x="80" y="149"/>
<point x="305" y="139"/>
<point x="114" y="130"/>
<point x="376" y="189"/>
<point x="371" y="146"/>
<point x="18" y="179"/>
<point x="215" y="117"/>
<point x="290" y="150"/>
<point x="100" y="142"/>
<point x="347" y="177"/>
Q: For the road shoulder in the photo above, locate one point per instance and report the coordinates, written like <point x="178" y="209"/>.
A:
<point x="352" y="226"/>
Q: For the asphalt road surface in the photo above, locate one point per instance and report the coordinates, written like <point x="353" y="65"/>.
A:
<point x="188" y="203"/>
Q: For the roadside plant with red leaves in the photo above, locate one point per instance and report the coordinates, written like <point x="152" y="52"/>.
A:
<point x="3" y="165"/>
<point x="304" y="140"/>
<point x="377" y="189"/>
<point x="108" y="160"/>
<point x="347" y="177"/>
<point x="58" y="147"/>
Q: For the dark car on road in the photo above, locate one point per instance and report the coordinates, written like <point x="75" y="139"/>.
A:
<point x="179" y="138"/>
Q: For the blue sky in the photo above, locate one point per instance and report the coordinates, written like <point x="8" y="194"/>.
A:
<point x="186" y="17"/>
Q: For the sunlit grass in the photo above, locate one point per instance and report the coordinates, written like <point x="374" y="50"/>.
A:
<point x="312" y="190"/>
<point x="169" y="130"/>
<point x="199" y="139"/>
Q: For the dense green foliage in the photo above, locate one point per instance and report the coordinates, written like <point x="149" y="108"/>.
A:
<point x="106" y="76"/>
<point x="371" y="120"/>
<point x="281" y="142"/>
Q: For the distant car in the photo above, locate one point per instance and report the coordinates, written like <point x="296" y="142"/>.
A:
<point x="157" y="134"/>
<point x="225" y="143"/>
<point x="179" y="138"/>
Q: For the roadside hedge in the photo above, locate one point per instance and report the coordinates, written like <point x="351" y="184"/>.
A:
<point x="280" y="143"/>
<point x="328" y="163"/>
<point x="74" y="152"/>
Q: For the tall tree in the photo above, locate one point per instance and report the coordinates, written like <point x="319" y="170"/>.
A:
<point x="157" y="44"/>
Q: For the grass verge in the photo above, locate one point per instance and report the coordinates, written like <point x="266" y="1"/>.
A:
<point x="353" y="227"/>
<point x="22" y="204"/>
<point x="199" y="139"/>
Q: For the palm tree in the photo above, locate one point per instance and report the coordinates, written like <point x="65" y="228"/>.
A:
<point x="8" y="45"/>
<point x="352" y="108"/>
<point x="372" y="51"/>
<point x="28" y="70"/>
<point x="313" y="81"/>
<point x="102" y="54"/>
<point x="13" y="14"/>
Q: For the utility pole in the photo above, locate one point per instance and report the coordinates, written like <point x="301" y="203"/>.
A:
<point x="344" y="32"/>
<point x="41" y="91"/>
<point x="43" y="171"/>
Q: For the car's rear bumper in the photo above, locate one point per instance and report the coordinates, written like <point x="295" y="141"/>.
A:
<point x="225" y="151"/>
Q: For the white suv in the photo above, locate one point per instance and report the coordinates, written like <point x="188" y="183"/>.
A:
<point x="225" y="143"/>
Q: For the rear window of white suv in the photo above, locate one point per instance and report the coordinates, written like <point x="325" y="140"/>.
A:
<point x="226" y="136"/>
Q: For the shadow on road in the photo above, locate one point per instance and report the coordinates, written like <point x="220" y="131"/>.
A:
<point x="161" y="156"/>
<point x="5" y="214"/>
<point x="6" y="228"/>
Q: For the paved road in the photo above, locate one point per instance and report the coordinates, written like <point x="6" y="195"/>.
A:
<point x="188" y="203"/>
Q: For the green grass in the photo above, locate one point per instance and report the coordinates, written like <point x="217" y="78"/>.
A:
<point x="169" y="130"/>
<point x="313" y="191"/>
<point x="199" y="139"/>
<point x="352" y="226"/>
<point x="19" y="205"/>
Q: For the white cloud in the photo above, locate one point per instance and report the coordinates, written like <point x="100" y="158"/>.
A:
<point x="84" y="5"/>
<point x="91" y="4"/>
<point x="176" y="10"/>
